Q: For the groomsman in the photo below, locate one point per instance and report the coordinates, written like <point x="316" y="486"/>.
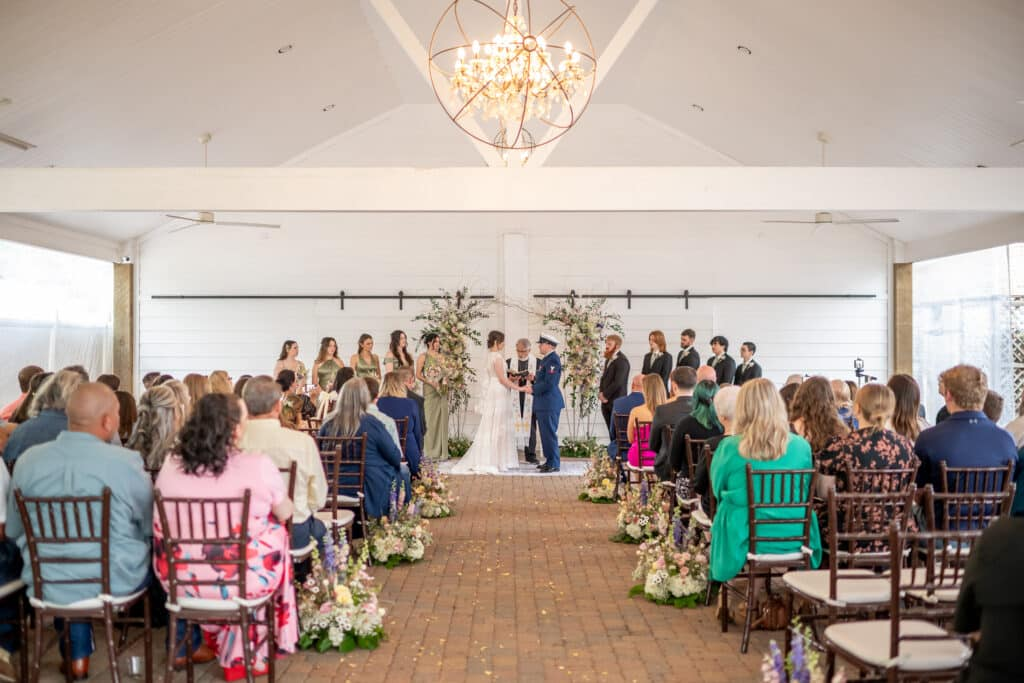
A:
<point x="524" y="363"/>
<point x="615" y="378"/>
<point x="749" y="368"/>
<point x="547" y="400"/>
<point x="722" y="362"/>
<point x="688" y="357"/>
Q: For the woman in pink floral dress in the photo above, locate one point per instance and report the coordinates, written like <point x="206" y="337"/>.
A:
<point x="208" y="464"/>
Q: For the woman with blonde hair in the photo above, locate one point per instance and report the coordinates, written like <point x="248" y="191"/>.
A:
<point x="654" y="396"/>
<point x="394" y="402"/>
<point x="657" y="361"/>
<point x="198" y="386"/>
<point x="762" y="440"/>
<point x="220" y="382"/>
<point x="160" y="418"/>
<point x="181" y="394"/>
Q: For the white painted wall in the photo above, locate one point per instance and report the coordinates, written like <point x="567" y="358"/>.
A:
<point x="422" y="253"/>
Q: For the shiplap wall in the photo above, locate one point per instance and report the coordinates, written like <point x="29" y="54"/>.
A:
<point x="591" y="253"/>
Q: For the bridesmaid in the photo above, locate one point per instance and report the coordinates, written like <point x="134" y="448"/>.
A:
<point x="289" y="360"/>
<point x="365" y="362"/>
<point x="435" y="403"/>
<point x="327" y="364"/>
<point x="398" y="353"/>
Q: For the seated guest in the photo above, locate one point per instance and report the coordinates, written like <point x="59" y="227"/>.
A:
<point x="25" y="376"/>
<point x="181" y="395"/>
<point x="10" y="570"/>
<point x="852" y="386"/>
<point x="264" y="434"/>
<point x="209" y="463"/>
<point x="721" y="361"/>
<point x="654" y="395"/>
<point x="47" y="415"/>
<point x="220" y="382"/>
<point x="331" y="398"/>
<point x="240" y="385"/>
<point x="405" y="474"/>
<point x="129" y="414"/>
<point x="872" y="446"/>
<point x="84" y="463"/>
<point x="762" y="439"/>
<point x="160" y="419"/>
<point x="688" y="356"/>
<point x="624" y="406"/>
<point x="684" y="379"/>
<point x="844" y="402"/>
<point x="291" y="413"/>
<point x="22" y="413"/>
<point x="725" y="410"/>
<point x="993" y="407"/>
<point x="815" y="416"/>
<point x="788" y="393"/>
<point x="383" y="457"/>
<point x="289" y="383"/>
<point x="394" y="403"/>
<point x="749" y="368"/>
<point x="149" y="379"/>
<point x="656" y="361"/>
<point x="988" y="603"/>
<point x="906" y="419"/>
<point x="706" y="373"/>
<point x="1016" y="427"/>
<point x="408" y="377"/>
<point x="80" y="369"/>
<point x="198" y="386"/>
<point x="112" y="381"/>
<point x="162" y="379"/>
<point x="702" y="423"/>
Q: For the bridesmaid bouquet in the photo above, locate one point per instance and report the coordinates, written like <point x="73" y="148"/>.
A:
<point x="673" y="568"/>
<point x="431" y="493"/>
<point x="401" y="536"/>
<point x="599" y="480"/>
<point x="338" y="603"/>
<point x="642" y="515"/>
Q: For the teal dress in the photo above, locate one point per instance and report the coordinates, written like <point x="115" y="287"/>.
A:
<point x="730" y="532"/>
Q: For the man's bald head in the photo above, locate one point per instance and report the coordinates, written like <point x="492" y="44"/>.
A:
<point x="93" y="408"/>
<point x="637" y="384"/>
<point x="706" y="372"/>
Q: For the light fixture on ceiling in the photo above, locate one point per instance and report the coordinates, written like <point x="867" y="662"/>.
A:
<point x="285" y="49"/>
<point x="6" y="139"/>
<point x="743" y="49"/>
<point x="329" y="107"/>
<point x="538" y="68"/>
<point x="697" y="107"/>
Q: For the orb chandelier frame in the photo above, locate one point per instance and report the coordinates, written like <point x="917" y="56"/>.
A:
<point x="513" y="78"/>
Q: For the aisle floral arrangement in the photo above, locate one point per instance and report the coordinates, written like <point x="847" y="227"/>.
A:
<point x="584" y="328"/>
<point x="643" y="515"/>
<point x="338" y="603"/>
<point x="599" y="479"/>
<point x="401" y="536"/>
<point x="803" y="665"/>
<point x="451" y="317"/>
<point x="674" y="568"/>
<point x="431" y="493"/>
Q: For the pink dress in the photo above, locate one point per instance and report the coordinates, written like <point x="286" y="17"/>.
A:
<point x="269" y="561"/>
<point x="639" y="455"/>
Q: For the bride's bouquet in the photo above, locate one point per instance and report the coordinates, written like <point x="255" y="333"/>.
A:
<point x="599" y="479"/>
<point x="643" y="514"/>
<point x="431" y="492"/>
<point x="402" y="536"/>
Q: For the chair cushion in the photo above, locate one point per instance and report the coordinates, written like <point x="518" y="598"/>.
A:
<point x="814" y="585"/>
<point x="768" y="558"/>
<point x="868" y="641"/>
<point x="213" y="605"/>
<point x="88" y="604"/>
<point x="701" y="518"/>
<point x="350" y="501"/>
<point x="345" y="517"/>
<point x="11" y="587"/>
<point x="302" y="553"/>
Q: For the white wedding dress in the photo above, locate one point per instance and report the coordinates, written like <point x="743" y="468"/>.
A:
<point x="494" y="446"/>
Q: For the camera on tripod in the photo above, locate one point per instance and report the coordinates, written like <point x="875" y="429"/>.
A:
<point x="858" y="370"/>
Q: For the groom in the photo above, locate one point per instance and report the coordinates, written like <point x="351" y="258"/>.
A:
<point x="547" y="400"/>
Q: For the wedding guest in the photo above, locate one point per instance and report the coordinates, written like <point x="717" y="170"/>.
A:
<point x="684" y="379"/>
<point x="264" y="434"/>
<point x="11" y="567"/>
<point x="364" y="360"/>
<point x="993" y="407"/>
<point x="435" y="402"/>
<point x="395" y="403"/>
<point x="383" y="457"/>
<point x="524" y="421"/>
<point x="112" y="381"/>
<point x="762" y="440"/>
<point x="372" y="409"/>
<point x="615" y="377"/>
<point x="397" y="355"/>
<point x="209" y="462"/>
<point x="327" y="364"/>
<point x="873" y="445"/>
<point x="656" y="361"/>
<point x="701" y="424"/>
<point x="80" y="369"/>
<point x="25" y="376"/>
<point x="795" y="378"/>
<point x="162" y="379"/>
<point x="240" y="385"/>
<point x="788" y="393"/>
<point x="749" y="368"/>
<point x="198" y="386"/>
<point x="129" y="412"/>
<point x="86" y="463"/>
<point x="328" y="400"/>
<point x="721" y="361"/>
<point x="815" y="416"/>
<point x="161" y="417"/>
<point x="289" y="383"/>
<point x="288" y="359"/>
<point x="47" y="417"/>
<point x="943" y="411"/>
<point x="844" y="402"/>
<point x="1016" y="427"/>
<point x="149" y="379"/>
<point x="654" y="395"/>
<point x="688" y="356"/>
<point x="408" y="376"/>
<point x="706" y="373"/>
<point x="220" y="382"/>
<point x="624" y="406"/>
<point x="181" y="394"/>
<point x="852" y="386"/>
<point x="725" y="411"/>
<point x="906" y="420"/>
<point x="291" y="413"/>
<point x="21" y="414"/>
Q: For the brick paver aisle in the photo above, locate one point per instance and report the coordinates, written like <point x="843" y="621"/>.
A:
<point x="523" y="585"/>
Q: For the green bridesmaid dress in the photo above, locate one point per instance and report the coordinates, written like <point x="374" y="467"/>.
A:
<point x="435" y="405"/>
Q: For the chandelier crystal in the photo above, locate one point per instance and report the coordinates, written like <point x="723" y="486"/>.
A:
<point x="530" y="71"/>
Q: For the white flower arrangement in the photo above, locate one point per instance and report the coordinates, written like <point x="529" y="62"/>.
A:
<point x="674" y="568"/>
<point x="402" y="536"/>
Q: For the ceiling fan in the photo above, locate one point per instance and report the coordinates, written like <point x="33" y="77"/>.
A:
<point x="10" y="139"/>
<point x="825" y="217"/>
<point x="208" y="217"/>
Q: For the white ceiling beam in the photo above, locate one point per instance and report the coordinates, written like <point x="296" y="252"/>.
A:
<point x="417" y="54"/>
<point x="616" y="46"/>
<point x="39" y="234"/>
<point x="984" y="235"/>
<point x="28" y="190"/>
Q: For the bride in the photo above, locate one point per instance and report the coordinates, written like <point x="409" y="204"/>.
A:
<point x="494" y="447"/>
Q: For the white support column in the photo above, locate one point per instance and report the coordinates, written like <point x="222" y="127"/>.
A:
<point x="515" y="287"/>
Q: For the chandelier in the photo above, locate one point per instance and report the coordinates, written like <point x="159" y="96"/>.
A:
<point x="530" y="72"/>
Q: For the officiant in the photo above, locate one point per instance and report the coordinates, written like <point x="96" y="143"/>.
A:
<point x="519" y="369"/>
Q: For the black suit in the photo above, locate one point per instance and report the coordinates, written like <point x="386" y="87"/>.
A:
<point x="614" y="384"/>
<point x="688" y="358"/>
<point x="662" y="365"/>
<point x="752" y="372"/>
<point x="725" y="370"/>
<point x="667" y="414"/>
<point x="419" y="404"/>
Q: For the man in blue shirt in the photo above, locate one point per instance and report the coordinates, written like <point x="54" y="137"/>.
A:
<point x="622" y="406"/>
<point x="547" y="401"/>
<point x="967" y="438"/>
